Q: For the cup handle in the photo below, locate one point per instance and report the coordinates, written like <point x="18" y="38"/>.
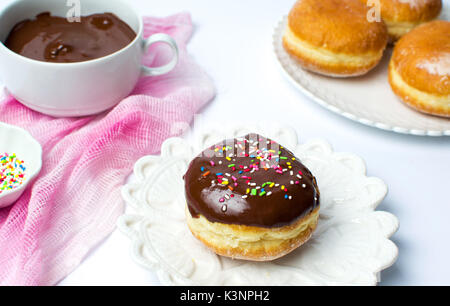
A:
<point x="164" y="38"/>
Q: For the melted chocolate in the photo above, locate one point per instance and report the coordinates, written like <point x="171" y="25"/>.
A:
<point x="54" y="39"/>
<point x="250" y="181"/>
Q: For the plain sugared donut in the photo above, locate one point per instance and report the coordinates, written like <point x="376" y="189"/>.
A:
<point x="334" y="37"/>
<point x="401" y="16"/>
<point x="250" y="198"/>
<point x="419" y="71"/>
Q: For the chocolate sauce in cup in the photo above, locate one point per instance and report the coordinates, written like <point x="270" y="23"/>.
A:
<point x="71" y="69"/>
<point x="54" y="39"/>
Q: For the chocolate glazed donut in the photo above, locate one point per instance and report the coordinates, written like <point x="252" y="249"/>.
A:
<point x="252" y="184"/>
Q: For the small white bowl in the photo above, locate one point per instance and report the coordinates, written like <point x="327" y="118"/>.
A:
<point x="16" y="140"/>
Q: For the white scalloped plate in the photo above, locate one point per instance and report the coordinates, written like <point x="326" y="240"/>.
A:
<point x="350" y="246"/>
<point x="367" y="99"/>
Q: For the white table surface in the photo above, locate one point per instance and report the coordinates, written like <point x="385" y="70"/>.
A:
<point x="232" y="42"/>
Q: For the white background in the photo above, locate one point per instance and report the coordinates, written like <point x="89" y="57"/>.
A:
<point x="232" y="42"/>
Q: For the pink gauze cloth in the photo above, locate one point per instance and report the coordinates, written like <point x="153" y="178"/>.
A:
<point x="75" y="201"/>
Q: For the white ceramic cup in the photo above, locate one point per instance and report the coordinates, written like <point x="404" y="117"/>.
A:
<point x="83" y="88"/>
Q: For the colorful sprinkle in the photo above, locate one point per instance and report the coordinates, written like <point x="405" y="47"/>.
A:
<point x="12" y="172"/>
<point x="259" y="157"/>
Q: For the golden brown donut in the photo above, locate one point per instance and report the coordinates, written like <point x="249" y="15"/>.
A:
<point x="252" y="200"/>
<point x="419" y="71"/>
<point x="334" y="37"/>
<point x="401" y="16"/>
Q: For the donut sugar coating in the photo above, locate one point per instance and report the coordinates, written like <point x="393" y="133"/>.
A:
<point x="334" y="37"/>
<point x="250" y="198"/>
<point x="419" y="70"/>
